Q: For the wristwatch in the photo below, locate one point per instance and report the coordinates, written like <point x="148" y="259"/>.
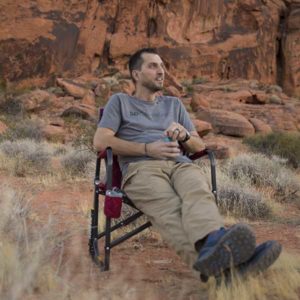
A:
<point x="187" y="137"/>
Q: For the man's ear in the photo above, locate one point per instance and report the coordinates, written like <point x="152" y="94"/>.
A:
<point x="135" y="74"/>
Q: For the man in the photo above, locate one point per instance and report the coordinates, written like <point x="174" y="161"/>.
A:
<point x="145" y="131"/>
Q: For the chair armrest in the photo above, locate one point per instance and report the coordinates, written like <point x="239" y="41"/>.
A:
<point x="198" y="154"/>
<point x="109" y="167"/>
<point x="211" y="157"/>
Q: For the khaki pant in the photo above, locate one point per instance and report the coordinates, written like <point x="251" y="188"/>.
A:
<point x="178" y="201"/>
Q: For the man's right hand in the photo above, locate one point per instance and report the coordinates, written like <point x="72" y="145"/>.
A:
<point x="162" y="150"/>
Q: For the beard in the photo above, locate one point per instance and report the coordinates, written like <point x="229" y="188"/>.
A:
<point x="151" y="86"/>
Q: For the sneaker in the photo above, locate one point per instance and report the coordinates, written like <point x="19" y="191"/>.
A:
<point x="264" y="256"/>
<point x="225" y="248"/>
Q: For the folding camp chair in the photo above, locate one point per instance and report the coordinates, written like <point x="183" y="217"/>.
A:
<point x="110" y="188"/>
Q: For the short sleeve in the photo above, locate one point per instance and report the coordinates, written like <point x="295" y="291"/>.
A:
<point x="111" y="117"/>
<point x="184" y="118"/>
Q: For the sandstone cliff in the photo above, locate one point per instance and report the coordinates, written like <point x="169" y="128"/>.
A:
<point x="213" y="39"/>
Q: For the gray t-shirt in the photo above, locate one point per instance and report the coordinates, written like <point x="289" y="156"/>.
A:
<point x="140" y="121"/>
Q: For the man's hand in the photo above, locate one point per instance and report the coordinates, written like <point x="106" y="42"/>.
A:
<point x="176" y="132"/>
<point x="162" y="150"/>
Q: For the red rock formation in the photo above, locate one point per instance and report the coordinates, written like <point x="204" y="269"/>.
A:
<point x="212" y="39"/>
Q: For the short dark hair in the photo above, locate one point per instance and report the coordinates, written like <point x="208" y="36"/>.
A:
<point x="136" y="60"/>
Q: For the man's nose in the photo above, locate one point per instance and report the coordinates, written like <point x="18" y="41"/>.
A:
<point x="160" y="70"/>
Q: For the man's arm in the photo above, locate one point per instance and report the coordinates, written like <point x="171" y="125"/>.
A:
<point x="177" y="132"/>
<point x="105" y="137"/>
<point x="194" y="144"/>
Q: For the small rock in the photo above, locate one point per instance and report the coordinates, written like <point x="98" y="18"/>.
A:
<point x="274" y="89"/>
<point x="3" y="127"/>
<point x="254" y="84"/>
<point x="54" y="133"/>
<point x="102" y="90"/>
<point x="172" y="91"/>
<point x="57" y="122"/>
<point x="89" y="99"/>
<point x="274" y="99"/>
<point x="126" y="86"/>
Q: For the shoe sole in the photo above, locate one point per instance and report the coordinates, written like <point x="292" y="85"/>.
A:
<point x="257" y="265"/>
<point x="233" y="249"/>
<point x="263" y="261"/>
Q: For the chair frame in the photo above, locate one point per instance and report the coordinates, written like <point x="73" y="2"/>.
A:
<point x="113" y="176"/>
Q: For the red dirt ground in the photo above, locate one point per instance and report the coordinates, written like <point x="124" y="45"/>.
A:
<point x="143" y="265"/>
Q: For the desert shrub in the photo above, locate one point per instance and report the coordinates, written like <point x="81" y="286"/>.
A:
<point x="27" y="129"/>
<point x="85" y="135"/>
<point x="242" y="202"/>
<point x="236" y="196"/>
<point x="286" y="145"/>
<point x="11" y="106"/>
<point x="25" y="251"/>
<point x="26" y="156"/>
<point x="77" y="161"/>
<point x="261" y="171"/>
<point x="199" y="80"/>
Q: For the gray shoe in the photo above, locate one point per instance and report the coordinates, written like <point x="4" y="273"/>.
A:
<point x="264" y="256"/>
<point x="225" y="248"/>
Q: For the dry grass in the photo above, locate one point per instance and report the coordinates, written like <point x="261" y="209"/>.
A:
<point x="25" y="157"/>
<point x="32" y="255"/>
<point x="25" y="265"/>
<point x="282" y="281"/>
<point x="77" y="162"/>
<point x="263" y="172"/>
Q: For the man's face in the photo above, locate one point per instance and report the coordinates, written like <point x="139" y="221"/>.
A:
<point x="151" y="75"/>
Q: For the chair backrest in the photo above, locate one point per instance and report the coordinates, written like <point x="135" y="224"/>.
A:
<point x="116" y="171"/>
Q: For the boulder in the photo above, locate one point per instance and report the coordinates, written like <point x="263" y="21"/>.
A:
<point x="73" y="89"/>
<point x="54" y="133"/>
<point x="225" y="122"/>
<point x="37" y="100"/>
<point x="202" y="127"/>
<point x="198" y="101"/>
<point x="258" y="97"/>
<point x="260" y="126"/>
<point x="82" y="111"/>
<point x="220" y="151"/>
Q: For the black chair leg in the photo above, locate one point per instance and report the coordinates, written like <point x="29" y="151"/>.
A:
<point x="107" y="246"/>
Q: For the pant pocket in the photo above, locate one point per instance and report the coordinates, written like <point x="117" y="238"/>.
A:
<point x="127" y="178"/>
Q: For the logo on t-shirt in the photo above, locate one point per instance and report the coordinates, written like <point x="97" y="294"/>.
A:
<point x="134" y="113"/>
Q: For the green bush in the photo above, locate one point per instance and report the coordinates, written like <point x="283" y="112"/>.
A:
<point x="285" y="145"/>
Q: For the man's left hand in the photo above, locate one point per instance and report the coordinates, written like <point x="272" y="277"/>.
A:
<point x="176" y="132"/>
